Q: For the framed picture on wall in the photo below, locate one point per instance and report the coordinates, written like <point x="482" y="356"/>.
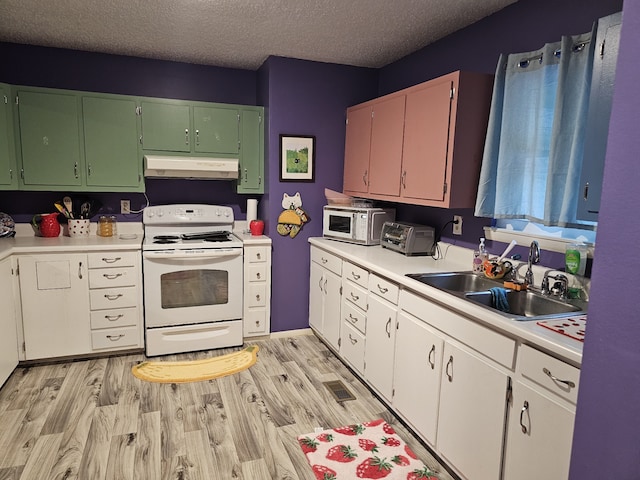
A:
<point x="297" y="158"/>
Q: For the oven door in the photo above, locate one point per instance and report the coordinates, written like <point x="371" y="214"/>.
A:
<point x="338" y="224"/>
<point x="183" y="287"/>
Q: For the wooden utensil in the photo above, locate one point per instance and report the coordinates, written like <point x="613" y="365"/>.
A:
<point x="68" y="204"/>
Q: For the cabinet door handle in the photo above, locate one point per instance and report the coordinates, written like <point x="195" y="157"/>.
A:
<point x="525" y="408"/>
<point x="403" y="179"/>
<point x="382" y="289"/>
<point x="324" y="288"/>
<point x="586" y="191"/>
<point x="112" y="297"/>
<point x="75" y="169"/>
<point x="353" y="340"/>
<point x="89" y="169"/>
<point x="246" y="174"/>
<point x="568" y="383"/>
<point x="197" y="137"/>
<point x="355" y="276"/>
<point x="387" y="329"/>
<point x="80" y="270"/>
<point x="111" y="260"/>
<point x="186" y="136"/>
<point x="449" y="369"/>
<point x="431" y="358"/>
<point x="320" y="284"/>
<point x="364" y="177"/>
<point x="111" y="276"/>
<point x="113" y="318"/>
<point x="115" y="338"/>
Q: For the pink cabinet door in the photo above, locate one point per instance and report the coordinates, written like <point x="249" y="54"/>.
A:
<point x="426" y="138"/>
<point x="386" y="146"/>
<point x="356" y="149"/>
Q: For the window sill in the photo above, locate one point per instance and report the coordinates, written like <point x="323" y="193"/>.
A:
<point x="553" y="244"/>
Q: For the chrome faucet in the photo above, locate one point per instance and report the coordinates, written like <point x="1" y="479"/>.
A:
<point x="534" y="257"/>
<point x="560" y="286"/>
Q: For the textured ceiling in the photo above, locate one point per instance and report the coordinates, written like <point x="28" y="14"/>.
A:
<point x="242" y="33"/>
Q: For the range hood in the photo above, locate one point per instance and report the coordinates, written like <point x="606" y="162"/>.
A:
<point x="162" y="166"/>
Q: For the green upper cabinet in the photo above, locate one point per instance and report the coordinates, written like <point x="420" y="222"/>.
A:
<point x="189" y="128"/>
<point x="216" y="130"/>
<point x="8" y="171"/>
<point x="251" y="178"/>
<point x="111" y="144"/>
<point x="50" y="140"/>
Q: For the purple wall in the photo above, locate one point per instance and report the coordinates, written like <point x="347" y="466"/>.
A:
<point x="606" y="438"/>
<point x="305" y="98"/>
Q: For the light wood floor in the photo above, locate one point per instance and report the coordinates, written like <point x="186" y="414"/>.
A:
<point x="93" y="420"/>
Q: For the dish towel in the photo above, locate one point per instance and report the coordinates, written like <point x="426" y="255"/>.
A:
<point x="499" y="298"/>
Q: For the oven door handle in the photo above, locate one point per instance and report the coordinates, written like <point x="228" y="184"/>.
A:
<point x="236" y="252"/>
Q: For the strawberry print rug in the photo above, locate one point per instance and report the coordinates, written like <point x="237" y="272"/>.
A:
<point x="365" y="450"/>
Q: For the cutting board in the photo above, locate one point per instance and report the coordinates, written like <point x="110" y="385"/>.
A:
<point x="573" y="327"/>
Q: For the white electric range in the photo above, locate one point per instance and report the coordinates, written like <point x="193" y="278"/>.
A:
<point x="192" y="265"/>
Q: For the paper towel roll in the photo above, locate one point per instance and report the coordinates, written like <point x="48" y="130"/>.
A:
<point x="252" y="210"/>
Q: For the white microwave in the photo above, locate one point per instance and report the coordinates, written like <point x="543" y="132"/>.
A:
<point x="355" y="224"/>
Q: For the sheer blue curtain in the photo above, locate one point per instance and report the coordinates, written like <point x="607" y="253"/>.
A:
<point x="534" y="145"/>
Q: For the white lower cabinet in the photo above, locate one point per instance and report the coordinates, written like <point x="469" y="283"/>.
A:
<point x="541" y="419"/>
<point x="8" y="326"/>
<point x="54" y="290"/>
<point x="257" y="288"/>
<point x="76" y="304"/>
<point x="325" y="295"/>
<point x="380" y="345"/>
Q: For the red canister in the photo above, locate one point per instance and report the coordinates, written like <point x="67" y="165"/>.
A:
<point x="49" y="226"/>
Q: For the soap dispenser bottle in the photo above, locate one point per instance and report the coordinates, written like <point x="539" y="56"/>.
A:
<point x="479" y="257"/>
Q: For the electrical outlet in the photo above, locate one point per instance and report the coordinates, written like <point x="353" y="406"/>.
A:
<point x="457" y="227"/>
<point x="125" y="206"/>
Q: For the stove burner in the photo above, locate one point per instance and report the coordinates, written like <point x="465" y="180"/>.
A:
<point x="166" y="237"/>
<point x="204" y="235"/>
<point x="164" y="240"/>
<point x="217" y="239"/>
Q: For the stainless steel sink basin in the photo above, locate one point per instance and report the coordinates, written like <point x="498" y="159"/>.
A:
<point x="527" y="304"/>
<point x="456" y="281"/>
<point x="523" y="305"/>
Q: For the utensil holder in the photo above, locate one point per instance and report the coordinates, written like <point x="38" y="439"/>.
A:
<point x="79" y="227"/>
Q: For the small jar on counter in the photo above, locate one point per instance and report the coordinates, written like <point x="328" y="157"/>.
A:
<point x="107" y="226"/>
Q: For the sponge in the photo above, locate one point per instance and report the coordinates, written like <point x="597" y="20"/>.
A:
<point x="517" y="286"/>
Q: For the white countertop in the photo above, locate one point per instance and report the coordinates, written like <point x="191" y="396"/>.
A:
<point x="394" y="266"/>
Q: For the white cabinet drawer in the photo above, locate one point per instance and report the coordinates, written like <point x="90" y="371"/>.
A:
<point x="113" y="277"/>
<point x="355" y="294"/>
<point x="327" y="260"/>
<point x="112" y="259"/>
<point x="255" y="254"/>
<point x="384" y="288"/>
<point x="255" y="321"/>
<point x="113" y="338"/>
<point x="354" y="316"/>
<point x="256" y="296"/>
<point x="553" y="374"/>
<point x="121" y="317"/>
<point x="352" y="346"/>
<point x="355" y="273"/>
<point x="257" y="272"/>
<point x="107" y="298"/>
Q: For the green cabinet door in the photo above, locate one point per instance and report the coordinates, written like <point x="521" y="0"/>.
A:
<point x="166" y="127"/>
<point x="111" y="142"/>
<point x="251" y="178"/>
<point x="216" y="130"/>
<point x="8" y="173"/>
<point x="49" y="139"/>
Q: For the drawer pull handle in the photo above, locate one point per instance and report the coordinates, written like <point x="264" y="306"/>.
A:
<point x="258" y="275"/>
<point x="353" y="340"/>
<point x="258" y="256"/>
<point x="449" y="369"/>
<point x="112" y="297"/>
<point x="111" y="260"/>
<point x="355" y="276"/>
<point x="111" y="276"/>
<point x="115" y="338"/>
<point x="258" y="297"/>
<point x="525" y="408"/>
<point x="432" y="357"/>
<point x="257" y="323"/>
<point x="353" y="319"/>
<point x="568" y="383"/>
<point x="354" y="297"/>
<point x="113" y="318"/>
<point x="324" y="260"/>
<point x="382" y="289"/>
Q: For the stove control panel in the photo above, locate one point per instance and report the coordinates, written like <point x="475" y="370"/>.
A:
<point x="185" y="214"/>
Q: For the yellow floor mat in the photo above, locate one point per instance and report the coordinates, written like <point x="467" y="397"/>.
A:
<point x="196" y="370"/>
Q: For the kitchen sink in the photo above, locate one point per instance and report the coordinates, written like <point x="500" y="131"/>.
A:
<point x="523" y="305"/>
<point x="456" y="282"/>
<point x="527" y="304"/>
